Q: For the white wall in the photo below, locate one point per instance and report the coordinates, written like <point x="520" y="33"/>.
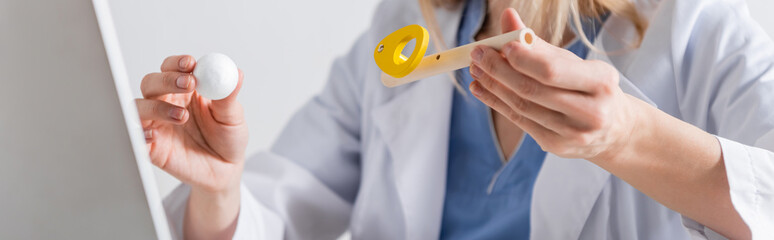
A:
<point x="285" y="48"/>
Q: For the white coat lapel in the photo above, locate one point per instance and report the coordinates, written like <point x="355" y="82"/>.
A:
<point x="564" y="193"/>
<point x="567" y="189"/>
<point x="415" y="127"/>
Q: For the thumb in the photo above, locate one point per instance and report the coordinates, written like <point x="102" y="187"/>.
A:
<point x="510" y="21"/>
<point x="228" y="110"/>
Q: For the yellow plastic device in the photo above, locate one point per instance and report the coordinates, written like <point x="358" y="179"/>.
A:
<point x="388" y="52"/>
<point x="398" y="69"/>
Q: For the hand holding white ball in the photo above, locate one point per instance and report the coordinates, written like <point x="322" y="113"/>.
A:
<point x="216" y="76"/>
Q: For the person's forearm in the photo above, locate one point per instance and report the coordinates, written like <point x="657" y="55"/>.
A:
<point x="680" y="166"/>
<point x="212" y="215"/>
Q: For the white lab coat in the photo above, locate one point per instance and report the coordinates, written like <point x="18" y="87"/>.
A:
<point x="372" y="160"/>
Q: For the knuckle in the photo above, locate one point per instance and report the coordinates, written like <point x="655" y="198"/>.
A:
<point x="488" y="82"/>
<point x="487" y="63"/>
<point x="572" y="102"/>
<point x="606" y="87"/>
<point x="485" y="98"/>
<point x="549" y="72"/>
<point x="527" y="88"/>
<point x="168" y="60"/>
<point x="156" y="108"/>
<point x="610" y="77"/>
<point x="169" y="79"/>
<point x="513" y="52"/>
<point x="146" y="81"/>
<point x="520" y="104"/>
<point x="145" y="111"/>
<point x="489" y="66"/>
<point x="516" y="46"/>
<point x="614" y="77"/>
<point x="518" y="49"/>
<point x="562" y="121"/>
<point x="597" y="119"/>
<point x="513" y="116"/>
<point x="612" y="82"/>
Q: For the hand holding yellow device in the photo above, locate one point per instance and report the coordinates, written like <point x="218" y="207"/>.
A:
<point x="397" y="69"/>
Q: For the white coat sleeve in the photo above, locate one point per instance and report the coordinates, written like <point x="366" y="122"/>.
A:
<point x="305" y="186"/>
<point x="724" y="64"/>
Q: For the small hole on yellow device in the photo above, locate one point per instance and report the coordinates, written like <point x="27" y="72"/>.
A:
<point x="438" y="57"/>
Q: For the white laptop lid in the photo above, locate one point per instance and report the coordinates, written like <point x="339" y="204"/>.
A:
<point x="73" y="163"/>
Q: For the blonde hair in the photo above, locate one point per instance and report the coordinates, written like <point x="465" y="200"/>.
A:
<point x="549" y="18"/>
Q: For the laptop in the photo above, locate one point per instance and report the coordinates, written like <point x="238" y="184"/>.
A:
<point x="73" y="163"/>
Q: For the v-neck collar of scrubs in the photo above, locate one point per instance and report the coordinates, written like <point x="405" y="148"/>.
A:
<point x="486" y="196"/>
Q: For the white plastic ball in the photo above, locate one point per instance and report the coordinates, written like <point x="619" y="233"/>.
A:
<point x="216" y="76"/>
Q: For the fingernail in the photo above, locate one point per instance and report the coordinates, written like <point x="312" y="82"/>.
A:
<point x="148" y="133"/>
<point x="184" y="62"/>
<point x="182" y="82"/>
<point x="477" y="54"/>
<point x="475" y="89"/>
<point x="176" y="113"/>
<point x="475" y="71"/>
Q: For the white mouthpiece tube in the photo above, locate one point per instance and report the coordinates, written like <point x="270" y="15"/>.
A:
<point x="457" y="58"/>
